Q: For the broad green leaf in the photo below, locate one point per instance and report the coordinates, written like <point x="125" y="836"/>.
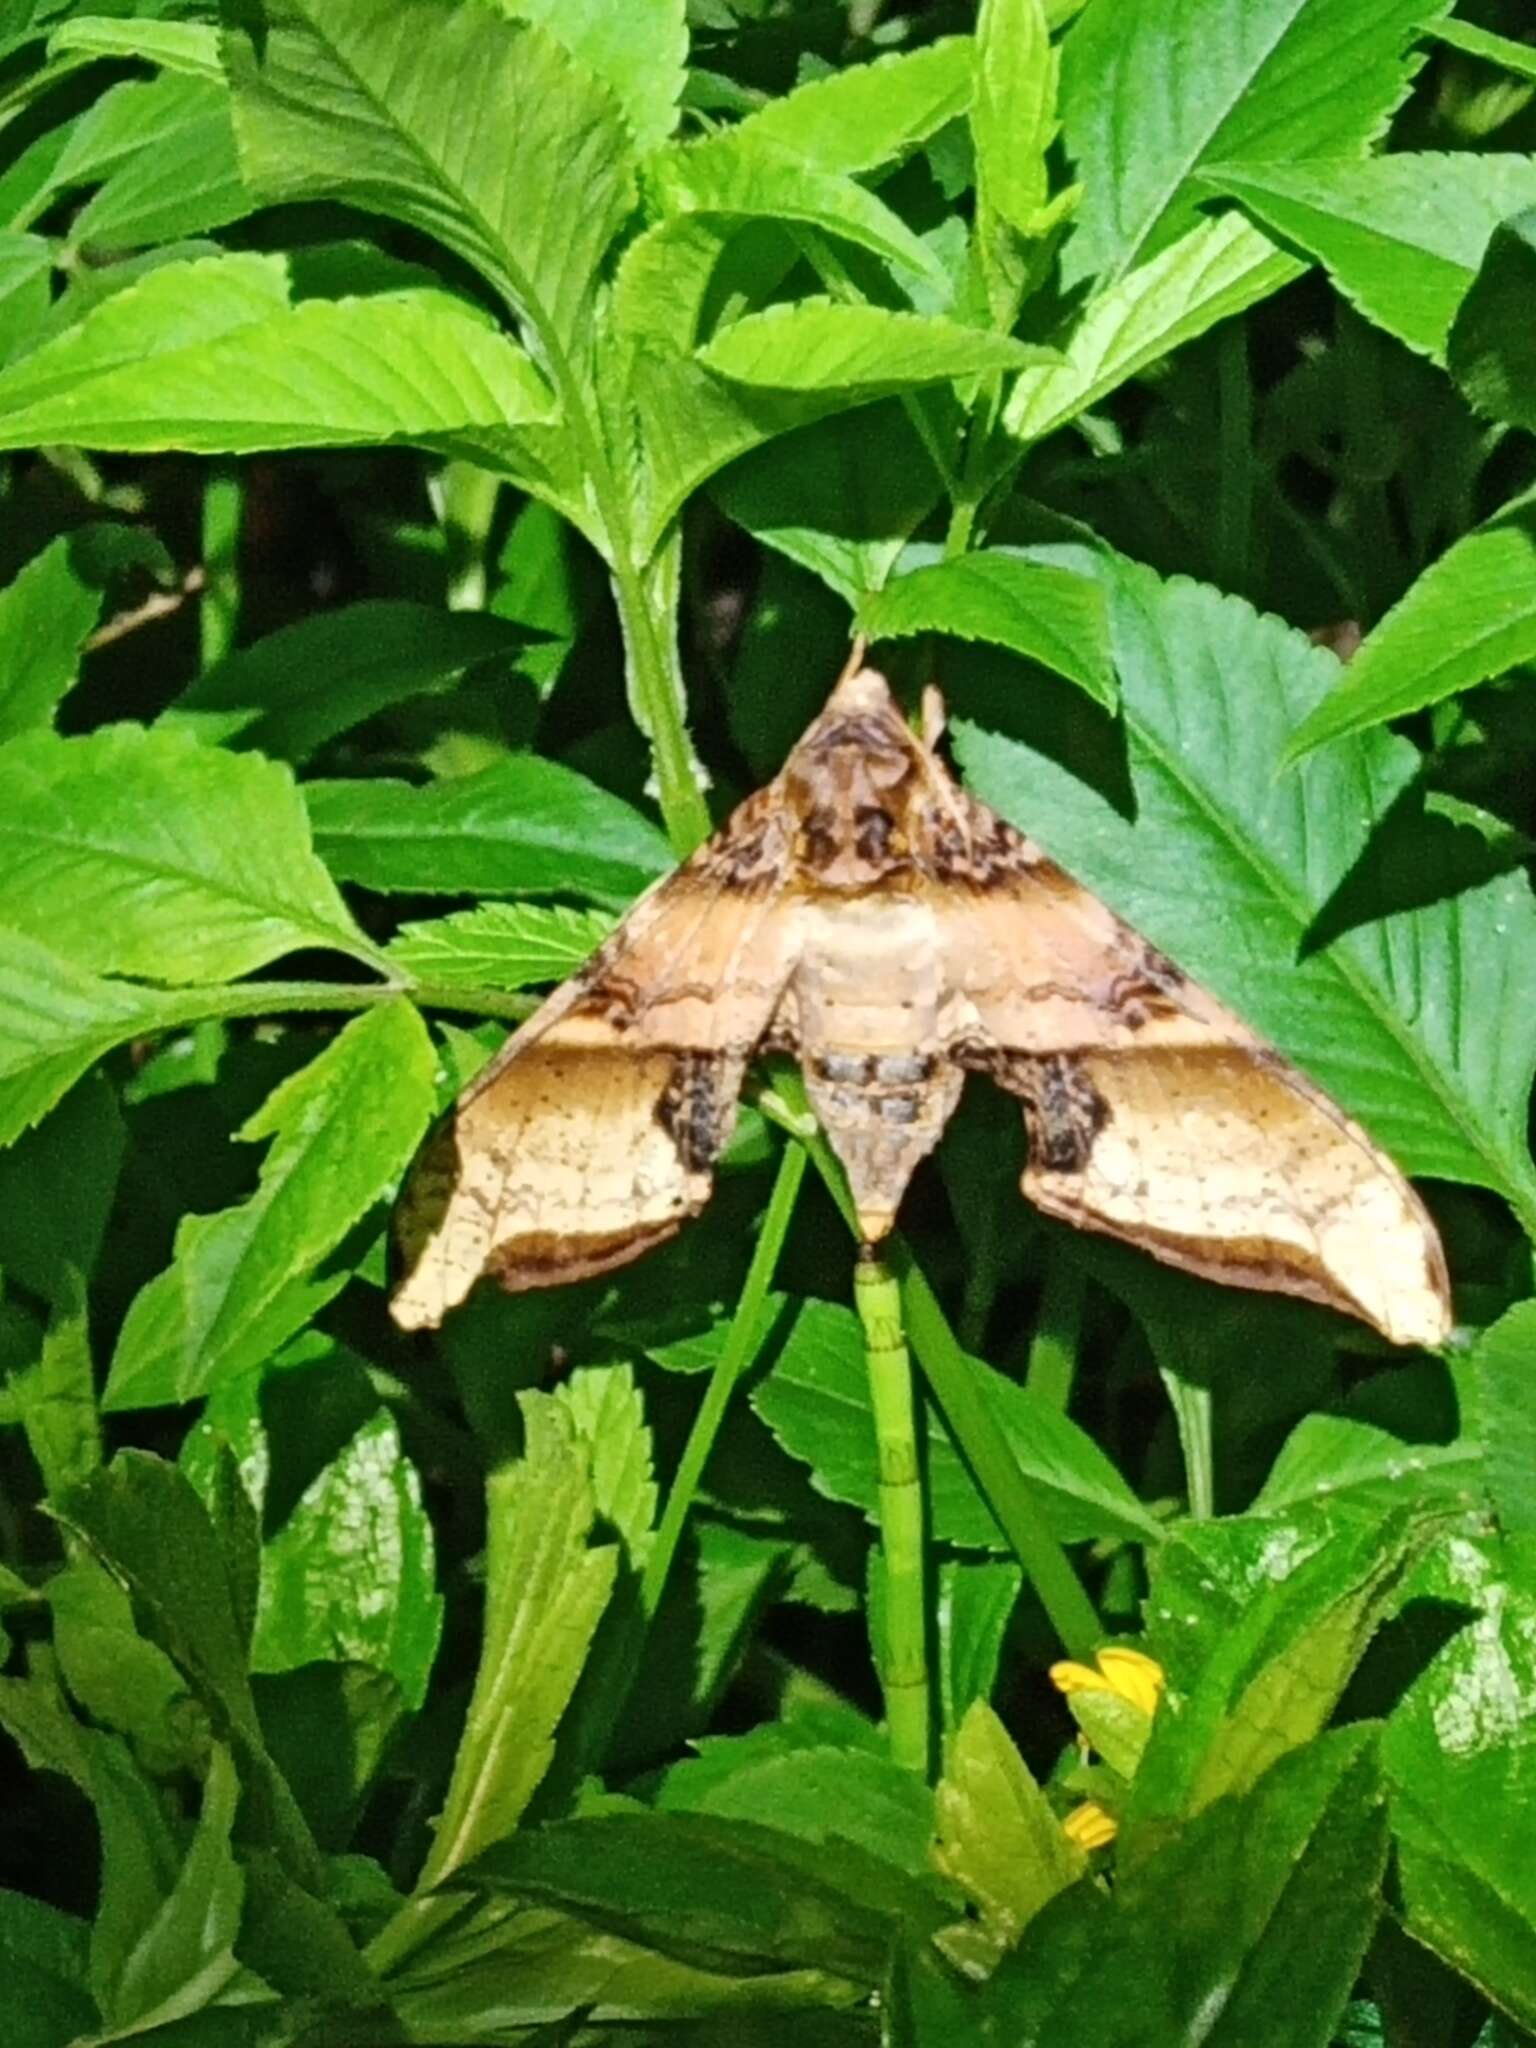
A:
<point x="57" y="1186"/>
<point x="1461" y="1767"/>
<point x="1480" y="42"/>
<point x="1013" y="117"/>
<point x="639" y="51"/>
<point x="1036" y="609"/>
<point x="1422" y="1022"/>
<point x="816" y="1790"/>
<point x="717" y="1893"/>
<point x="1246" y="1930"/>
<point x="163" y="156"/>
<point x="1504" y="1373"/>
<point x="47" y="613"/>
<point x="974" y="1600"/>
<point x="184" y="1956"/>
<point x="142" y="1519"/>
<point x="1490" y="352"/>
<point x="1402" y="236"/>
<point x="206" y="356"/>
<point x="43" y="1956"/>
<point x="816" y="1402"/>
<point x="1286" y="1607"/>
<point x="1153" y="90"/>
<point x="243" y="1281"/>
<point x="56" y="1021"/>
<point x="116" y="1676"/>
<point x="608" y="1414"/>
<point x="1328" y="1456"/>
<point x="348" y="1575"/>
<point x="144" y="853"/>
<point x="742" y="174"/>
<point x="997" y="1836"/>
<point x="1470" y="615"/>
<point x="302" y="685"/>
<point x="547" y="1587"/>
<point x="188" y="47"/>
<point x="842" y="496"/>
<point x="820" y="345"/>
<point x="1217" y="268"/>
<point x="499" y="945"/>
<point x="26" y="266"/>
<point x="387" y="104"/>
<point x="55" y="1399"/>
<point x="864" y="115"/>
<point x="523" y="826"/>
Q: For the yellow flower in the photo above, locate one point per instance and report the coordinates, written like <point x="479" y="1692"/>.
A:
<point x="1089" y="1825"/>
<point x="1132" y="1677"/>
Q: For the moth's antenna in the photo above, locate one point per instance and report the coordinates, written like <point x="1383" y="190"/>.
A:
<point x="934" y="717"/>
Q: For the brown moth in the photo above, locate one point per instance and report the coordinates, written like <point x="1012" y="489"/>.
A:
<point x="865" y="914"/>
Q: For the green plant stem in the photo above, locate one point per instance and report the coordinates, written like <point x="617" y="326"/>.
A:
<point x="466" y="497"/>
<point x="218" y="610"/>
<point x="1191" y="1404"/>
<point x="953" y="1377"/>
<point x="903" y="1665"/>
<point x="650" y="646"/>
<point x="742" y="1341"/>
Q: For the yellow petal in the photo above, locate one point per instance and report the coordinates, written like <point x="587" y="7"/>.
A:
<point x="1070" y="1677"/>
<point x="1134" y="1677"/>
<point x="1090" y="1826"/>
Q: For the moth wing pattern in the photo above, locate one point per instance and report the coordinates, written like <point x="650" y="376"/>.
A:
<point x="1156" y="1115"/>
<point x="591" y="1136"/>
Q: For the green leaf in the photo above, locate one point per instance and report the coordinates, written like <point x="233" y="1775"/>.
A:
<point x="56" y="1021"/>
<point x="719" y="1894"/>
<point x="1036" y="609"/>
<point x="188" y="47"/>
<point x="1469" y="616"/>
<point x="818" y="1791"/>
<point x="1285" y="1608"/>
<point x="144" y="853"/>
<point x="348" y="1574"/>
<point x="1506" y="1416"/>
<point x="47" y="614"/>
<point x="842" y="496"/>
<point x="243" y="1281"/>
<point x="1013" y="119"/>
<point x="974" y="1603"/>
<point x="1331" y="1456"/>
<point x="857" y="118"/>
<point x="820" y="345"/>
<point x="120" y="1680"/>
<point x="742" y="174"/>
<point x="386" y="105"/>
<point x="43" y="1956"/>
<point x="1461" y="1767"/>
<point x="639" y="51"/>
<point x="55" y="1399"/>
<point x="523" y="826"/>
<point x="1244" y="1931"/>
<point x="1490" y="352"/>
<point x="1152" y="91"/>
<point x="26" y="277"/>
<point x="547" y="1587"/>
<point x="163" y="154"/>
<point x="1216" y="269"/>
<point x="816" y="1402"/>
<point x="1519" y="58"/>
<point x="1402" y="236"/>
<point x="608" y="1414"/>
<point x="499" y="945"/>
<point x="998" y="1837"/>
<point x="1422" y="1023"/>
<point x="184" y="1956"/>
<point x="299" y="687"/>
<point x="208" y="356"/>
<point x="57" y="1187"/>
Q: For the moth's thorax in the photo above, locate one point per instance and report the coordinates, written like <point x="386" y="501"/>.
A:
<point x="856" y="787"/>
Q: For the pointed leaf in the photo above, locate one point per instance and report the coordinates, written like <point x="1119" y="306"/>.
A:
<point x="818" y="345"/>
<point x="639" y="51"/>
<point x="499" y="945"/>
<point x="243" y="1281"/>
<point x="1423" y="1022"/>
<point x="1490" y="353"/>
<point x="145" y="853"/>
<point x="998" y="1837"/>
<point x="857" y="118"/>
<point x="163" y="154"/>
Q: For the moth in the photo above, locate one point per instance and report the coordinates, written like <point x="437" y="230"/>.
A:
<point x="867" y="915"/>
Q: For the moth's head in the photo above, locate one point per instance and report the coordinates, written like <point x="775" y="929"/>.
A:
<point x="855" y="784"/>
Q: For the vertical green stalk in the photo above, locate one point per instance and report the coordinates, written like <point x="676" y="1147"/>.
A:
<point x="647" y="600"/>
<point x="465" y="497"/>
<point x="904" y="1665"/>
<point x="741" y="1346"/>
<point x="1191" y="1404"/>
<point x="1058" y="1331"/>
<point x="219" y="608"/>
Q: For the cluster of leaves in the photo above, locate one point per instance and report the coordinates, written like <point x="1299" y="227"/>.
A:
<point x="1129" y="358"/>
